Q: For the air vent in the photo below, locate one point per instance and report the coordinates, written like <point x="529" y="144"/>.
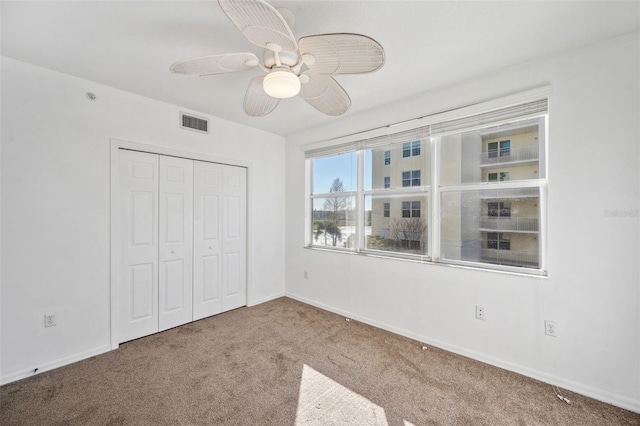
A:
<point x="194" y="123"/>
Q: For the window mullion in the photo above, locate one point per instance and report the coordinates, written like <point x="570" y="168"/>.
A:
<point x="308" y="178"/>
<point x="434" y="194"/>
<point x="360" y="207"/>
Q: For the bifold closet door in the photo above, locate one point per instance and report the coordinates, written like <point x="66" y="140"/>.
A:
<point x="175" y="242"/>
<point x="138" y="218"/>
<point x="182" y="241"/>
<point x="234" y="237"/>
<point x="219" y="276"/>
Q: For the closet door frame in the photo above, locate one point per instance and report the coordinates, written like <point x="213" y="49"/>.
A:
<point x="116" y="146"/>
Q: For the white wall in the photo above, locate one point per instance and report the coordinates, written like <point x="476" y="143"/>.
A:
<point x="592" y="289"/>
<point x="56" y="207"/>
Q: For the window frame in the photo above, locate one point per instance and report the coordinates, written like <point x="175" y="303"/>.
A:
<point x="433" y="192"/>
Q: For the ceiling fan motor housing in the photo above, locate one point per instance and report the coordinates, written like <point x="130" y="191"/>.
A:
<point x="288" y="58"/>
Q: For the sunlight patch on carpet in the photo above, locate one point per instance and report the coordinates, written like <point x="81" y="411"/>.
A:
<point x="323" y="401"/>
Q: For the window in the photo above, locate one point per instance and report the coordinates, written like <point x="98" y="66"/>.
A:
<point x="333" y="202"/>
<point x="415" y="178"/>
<point x="505" y="148"/>
<point x="493" y="149"/>
<point x="415" y="148"/>
<point x="411" y="209"/>
<point x="498" y="241"/>
<point x="480" y="216"/>
<point x="504" y="151"/>
<point x="411" y="178"/>
<point x="411" y="149"/>
<point x="488" y="212"/>
<point x="499" y="209"/>
<point x="493" y="177"/>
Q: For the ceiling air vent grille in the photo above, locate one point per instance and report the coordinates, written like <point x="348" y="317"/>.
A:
<point x="194" y="123"/>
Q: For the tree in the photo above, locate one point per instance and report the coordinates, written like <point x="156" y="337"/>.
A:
<point x="409" y="232"/>
<point x="336" y="206"/>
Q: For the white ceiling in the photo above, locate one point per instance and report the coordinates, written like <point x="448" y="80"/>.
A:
<point x="131" y="44"/>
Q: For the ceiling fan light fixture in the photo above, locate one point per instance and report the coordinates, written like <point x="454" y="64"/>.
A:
<point x="281" y="84"/>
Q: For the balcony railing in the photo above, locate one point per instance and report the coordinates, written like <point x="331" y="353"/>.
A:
<point x="517" y="224"/>
<point x="508" y="155"/>
<point x="510" y="193"/>
<point x="508" y="257"/>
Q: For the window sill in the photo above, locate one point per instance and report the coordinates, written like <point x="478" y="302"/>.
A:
<point x="508" y="270"/>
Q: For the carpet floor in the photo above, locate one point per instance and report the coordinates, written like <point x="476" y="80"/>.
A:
<point x="287" y="363"/>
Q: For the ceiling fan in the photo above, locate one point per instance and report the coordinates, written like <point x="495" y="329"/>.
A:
<point x="292" y="68"/>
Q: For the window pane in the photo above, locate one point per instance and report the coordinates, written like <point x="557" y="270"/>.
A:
<point x="406" y="149"/>
<point x="415" y="148"/>
<point x="492" y="149"/>
<point x="492" y="226"/>
<point x="415" y="178"/>
<point x="505" y="148"/>
<point x="334" y="222"/>
<point x="327" y="169"/>
<point x="375" y="169"/>
<point x="398" y="224"/>
<point x="508" y="152"/>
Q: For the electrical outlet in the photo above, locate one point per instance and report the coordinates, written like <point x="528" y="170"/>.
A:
<point x="479" y="312"/>
<point x="306" y="275"/>
<point x="550" y="328"/>
<point x="49" y="320"/>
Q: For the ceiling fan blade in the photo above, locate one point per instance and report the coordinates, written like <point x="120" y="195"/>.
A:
<point x="342" y="53"/>
<point x="256" y="102"/>
<point x="216" y="64"/>
<point x="325" y="94"/>
<point x="260" y="23"/>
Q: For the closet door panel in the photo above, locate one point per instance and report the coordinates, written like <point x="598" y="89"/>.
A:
<point x="207" y="246"/>
<point x="138" y="244"/>
<point x="175" y="242"/>
<point x="183" y="241"/>
<point x="234" y="284"/>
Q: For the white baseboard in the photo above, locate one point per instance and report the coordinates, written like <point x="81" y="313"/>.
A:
<point x="54" y="364"/>
<point x="266" y="299"/>
<point x="580" y="388"/>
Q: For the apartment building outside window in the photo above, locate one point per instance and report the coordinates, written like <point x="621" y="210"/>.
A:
<point x="486" y="194"/>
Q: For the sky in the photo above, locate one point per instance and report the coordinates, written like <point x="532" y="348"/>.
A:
<point x="343" y="166"/>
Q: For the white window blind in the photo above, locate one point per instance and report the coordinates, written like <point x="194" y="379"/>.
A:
<point x="520" y="111"/>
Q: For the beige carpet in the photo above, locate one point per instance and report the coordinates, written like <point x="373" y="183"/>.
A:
<point x="287" y="363"/>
